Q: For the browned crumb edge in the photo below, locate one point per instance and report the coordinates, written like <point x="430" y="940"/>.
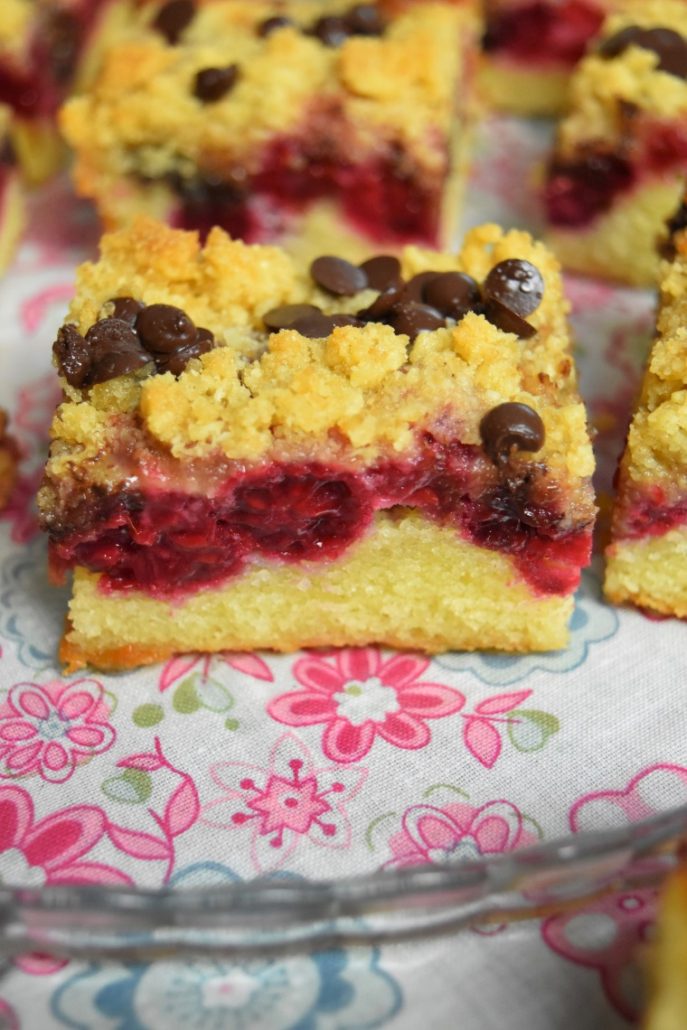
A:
<point x="9" y="457"/>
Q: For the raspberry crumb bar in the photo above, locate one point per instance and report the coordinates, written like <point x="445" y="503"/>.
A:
<point x="282" y="120"/>
<point x="621" y="152"/>
<point x="256" y="453"/>
<point x="44" y="47"/>
<point x="531" y="48"/>
<point x="647" y="558"/>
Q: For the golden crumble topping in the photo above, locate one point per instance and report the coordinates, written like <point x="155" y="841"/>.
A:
<point x="360" y="391"/>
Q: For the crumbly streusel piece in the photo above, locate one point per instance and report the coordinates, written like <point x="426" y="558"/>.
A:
<point x="8" y="461"/>
<point x="257" y="453"/>
<point x="316" y="118"/>
<point x="647" y="558"/>
<point x="621" y="152"/>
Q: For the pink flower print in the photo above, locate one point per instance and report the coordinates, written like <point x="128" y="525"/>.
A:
<point x="457" y="832"/>
<point x="51" y="850"/>
<point x="8" y="1017"/>
<point x="285" y="803"/>
<point x="53" y="728"/>
<point x="358" y="696"/>
<point x="608" y="936"/>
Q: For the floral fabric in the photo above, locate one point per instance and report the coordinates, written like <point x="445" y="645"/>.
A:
<point x="211" y="770"/>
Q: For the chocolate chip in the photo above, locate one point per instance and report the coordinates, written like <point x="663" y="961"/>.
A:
<point x="452" y="293"/>
<point x="73" y="355"/>
<point x="270" y="25"/>
<point x="338" y="276"/>
<point x="285" y="315"/>
<point x="382" y="271"/>
<point x="503" y="318"/>
<point x="214" y="83"/>
<point x="365" y="20"/>
<point x="508" y="426"/>
<point x="164" y="328"/>
<point x="115" y="350"/>
<point x="315" y="325"/>
<point x="383" y="304"/>
<point x="126" y="309"/>
<point x="173" y="18"/>
<point x="176" y="361"/>
<point x="669" y="46"/>
<point x="414" y="288"/>
<point x="516" y="284"/>
<point x="412" y="318"/>
<point x="331" y="30"/>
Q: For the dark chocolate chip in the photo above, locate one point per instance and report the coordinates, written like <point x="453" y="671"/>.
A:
<point x="315" y="325"/>
<point x="452" y="293"/>
<point x="126" y="309"/>
<point x="669" y="46"/>
<point x="508" y="426"/>
<point x="73" y="355"/>
<point x="383" y="304"/>
<point x="365" y="20"/>
<point x="176" y="361"/>
<point x="411" y="318"/>
<point x="214" y="83"/>
<point x="516" y="284"/>
<point x="344" y="319"/>
<point x="173" y="18"/>
<point x="414" y="288"/>
<point x="503" y="318"/>
<point x="270" y="25"/>
<point x="382" y="271"/>
<point x="284" y="316"/>
<point x="331" y="29"/>
<point x="115" y="350"/>
<point x="338" y="276"/>
<point x="164" y="328"/>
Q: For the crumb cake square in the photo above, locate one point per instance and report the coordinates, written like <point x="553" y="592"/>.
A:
<point x="253" y="452"/>
<point x="531" y="48"/>
<point x="647" y="556"/>
<point x="621" y="152"/>
<point x="45" y="46"/>
<point x="298" y="119"/>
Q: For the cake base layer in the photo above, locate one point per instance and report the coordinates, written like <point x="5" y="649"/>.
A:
<point x="519" y="90"/>
<point x="621" y="245"/>
<point x="408" y="583"/>
<point x="650" y="573"/>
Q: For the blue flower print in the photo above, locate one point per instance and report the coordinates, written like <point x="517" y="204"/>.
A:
<point x="340" y="988"/>
<point x="592" y="622"/>
<point x="31" y="611"/>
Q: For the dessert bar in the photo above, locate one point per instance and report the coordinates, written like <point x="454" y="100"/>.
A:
<point x="621" y="152"/>
<point x="647" y="558"/>
<point x="256" y="452"/>
<point x="531" y="48"/>
<point x="9" y="455"/>
<point x="304" y="119"/>
<point x="45" y="47"/>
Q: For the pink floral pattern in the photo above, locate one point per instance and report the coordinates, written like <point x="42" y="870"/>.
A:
<point x="8" y="1017"/>
<point x="360" y="695"/>
<point x="285" y="803"/>
<point x="53" y="728"/>
<point x="457" y="832"/>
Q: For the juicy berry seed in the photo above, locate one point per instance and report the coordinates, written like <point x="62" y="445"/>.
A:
<point x="164" y="328"/>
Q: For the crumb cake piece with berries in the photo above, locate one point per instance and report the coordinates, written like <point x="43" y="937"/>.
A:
<point x="11" y="194"/>
<point x="531" y="48"/>
<point x="253" y="452"/>
<point x="9" y="456"/>
<point x="620" y="157"/>
<point x="312" y="119"/>
<point x="45" y="48"/>
<point x="647" y="556"/>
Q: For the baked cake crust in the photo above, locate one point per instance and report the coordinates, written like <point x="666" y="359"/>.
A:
<point x="379" y="424"/>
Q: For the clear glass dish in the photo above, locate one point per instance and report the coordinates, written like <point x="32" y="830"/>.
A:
<point x="96" y="922"/>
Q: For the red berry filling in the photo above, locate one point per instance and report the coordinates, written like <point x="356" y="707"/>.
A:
<point x="169" y="543"/>
<point x="648" y="513"/>
<point x="381" y="198"/>
<point x="37" y="86"/>
<point x="577" y="191"/>
<point x="543" y="32"/>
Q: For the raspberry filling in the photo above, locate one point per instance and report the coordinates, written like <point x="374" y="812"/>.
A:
<point x="544" y="33"/>
<point x="169" y="543"/>
<point x="648" y="513"/>
<point x="579" y="190"/>
<point x="382" y="198"/>
<point x="37" y="86"/>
